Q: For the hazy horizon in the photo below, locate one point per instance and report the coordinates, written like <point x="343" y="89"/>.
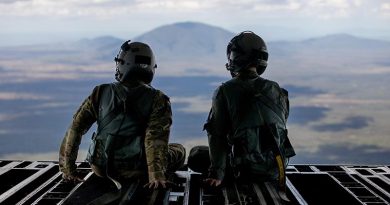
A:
<point x="26" y="22"/>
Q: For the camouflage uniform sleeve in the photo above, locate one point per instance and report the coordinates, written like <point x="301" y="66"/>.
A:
<point x="83" y="119"/>
<point x="217" y="127"/>
<point x="285" y="102"/>
<point x="157" y="136"/>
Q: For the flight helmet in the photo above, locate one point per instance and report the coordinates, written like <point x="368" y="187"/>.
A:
<point x="135" y="61"/>
<point x="246" y="50"/>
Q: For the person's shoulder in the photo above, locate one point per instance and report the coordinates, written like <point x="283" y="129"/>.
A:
<point x="230" y="82"/>
<point x="98" y="88"/>
<point x="218" y="92"/>
<point x="227" y="85"/>
<point x="269" y="83"/>
<point x="160" y="95"/>
<point x="273" y="85"/>
<point x="103" y="85"/>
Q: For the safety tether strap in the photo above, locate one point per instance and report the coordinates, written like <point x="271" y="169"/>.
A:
<point x="274" y="145"/>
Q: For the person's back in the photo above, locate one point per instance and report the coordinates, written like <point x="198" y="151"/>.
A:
<point x="125" y="132"/>
<point x="256" y="105"/>
<point x="134" y="119"/>
<point x="247" y="122"/>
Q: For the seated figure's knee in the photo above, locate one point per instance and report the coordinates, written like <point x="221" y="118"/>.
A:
<point x="177" y="156"/>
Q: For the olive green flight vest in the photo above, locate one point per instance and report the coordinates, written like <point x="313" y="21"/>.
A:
<point x="250" y="134"/>
<point x="123" y="114"/>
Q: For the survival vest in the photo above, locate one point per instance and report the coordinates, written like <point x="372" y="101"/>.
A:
<point x="123" y="114"/>
<point x="259" y="110"/>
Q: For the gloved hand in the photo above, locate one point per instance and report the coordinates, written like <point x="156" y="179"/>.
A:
<point x="158" y="183"/>
<point x="213" y="182"/>
<point x="73" y="177"/>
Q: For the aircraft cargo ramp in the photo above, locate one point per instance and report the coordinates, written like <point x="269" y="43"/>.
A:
<point x="40" y="182"/>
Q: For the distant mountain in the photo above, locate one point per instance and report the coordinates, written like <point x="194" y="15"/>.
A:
<point x="335" y="42"/>
<point x="331" y="54"/>
<point x="345" y="41"/>
<point x="102" y="48"/>
<point x="102" y="42"/>
<point x="188" y="40"/>
<point x="185" y="41"/>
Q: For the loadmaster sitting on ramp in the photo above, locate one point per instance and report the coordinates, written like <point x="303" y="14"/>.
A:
<point x="133" y="125"/>
<point x="246" y="126"/>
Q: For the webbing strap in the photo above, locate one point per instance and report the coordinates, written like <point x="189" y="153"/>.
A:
<point x="231" y="194"/>
<point x="272" y="106"/>
<point x="108" y="118"/>
<point x="259" y="194"/>
<point x="110" y="197"/>
<point x="128" y="196"/>
<point x="275" y="148"/>
<point x="276" y="108"/>
<point x="275" y="194"/>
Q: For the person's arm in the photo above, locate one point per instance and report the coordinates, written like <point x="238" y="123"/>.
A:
<point x="218" y="126"/>
<point x="83" y="119"/>
<point x="156" y="140"/>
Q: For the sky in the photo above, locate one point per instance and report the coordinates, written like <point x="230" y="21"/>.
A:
<point x="42" y="21"/>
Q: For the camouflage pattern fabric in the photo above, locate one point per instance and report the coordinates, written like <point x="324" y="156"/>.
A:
<point x="159" y="155"/>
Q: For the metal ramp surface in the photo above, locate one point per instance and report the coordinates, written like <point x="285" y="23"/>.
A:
<point x="40" y="182"/>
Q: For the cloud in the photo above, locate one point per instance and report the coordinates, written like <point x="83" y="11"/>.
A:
<point x="3" y="132"/>
<point x="21" y="96"/>
<point x="118" y="7"/>
<point x="11" y="1"/>
<point x="301" y="18"/>
<point x="332" y="8"/>
<point x="51" y="105"/>
<point x="385" y="9"/>
<point x="287" y="5"/>
<point x="297" y="91"/>
<point x="195" y="104"/>
<point x="173" y="4"/>
<point x="303" y="115"/>
<point x="344" y="154"/>
<point x="8" y="117"/>
<point x="332" y="99"/>
<point x="352" y="122"/>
